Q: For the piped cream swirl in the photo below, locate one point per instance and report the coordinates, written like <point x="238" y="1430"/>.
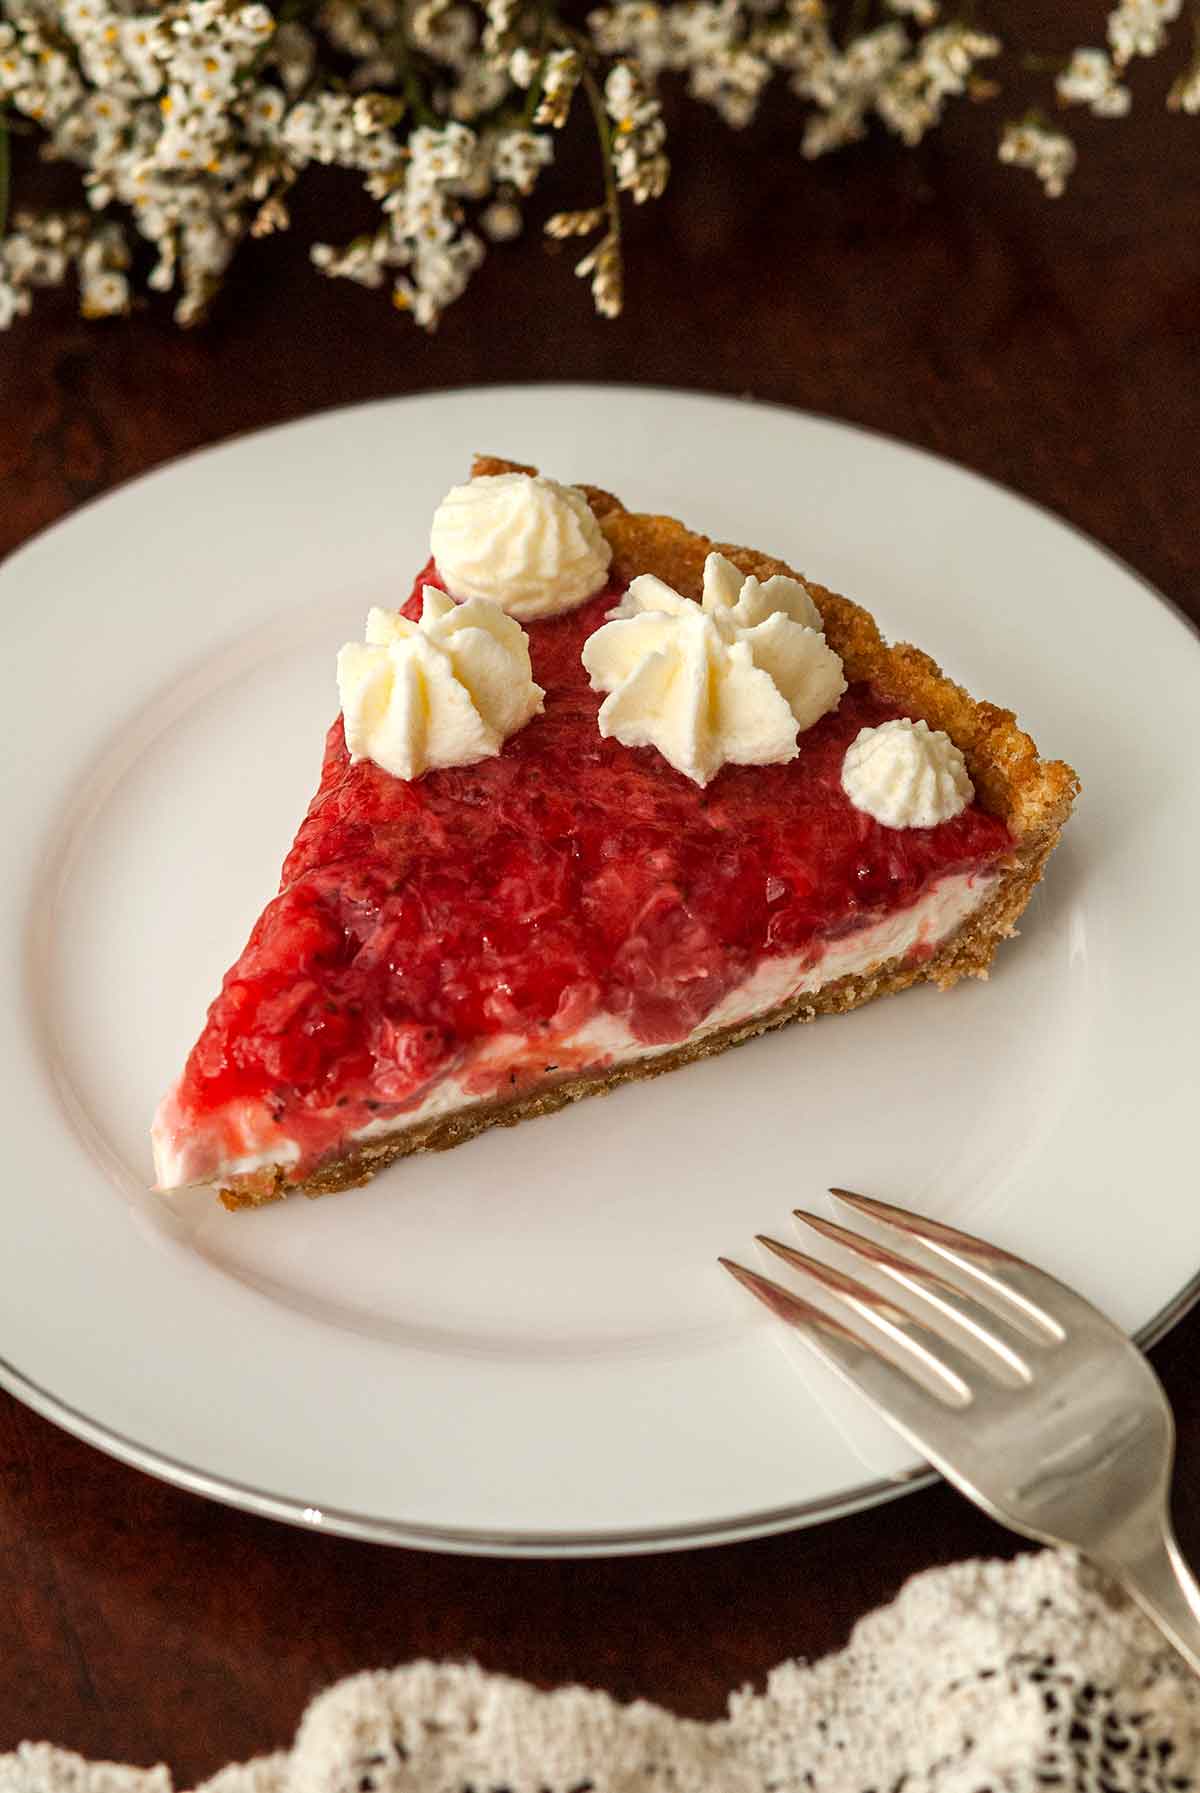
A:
<point x="529" y="544"/>
<point x="906" y="775"/>
<point x="446" y="691"/>
<point x="734" y="678"/>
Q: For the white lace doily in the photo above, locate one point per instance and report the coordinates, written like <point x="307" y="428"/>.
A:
<point x="1023" y="1677"/>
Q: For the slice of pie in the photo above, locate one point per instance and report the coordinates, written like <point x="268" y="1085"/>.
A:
<point x="480" y="943"/>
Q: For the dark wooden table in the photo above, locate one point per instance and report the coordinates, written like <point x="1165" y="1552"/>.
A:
<point x="933" y="295"/>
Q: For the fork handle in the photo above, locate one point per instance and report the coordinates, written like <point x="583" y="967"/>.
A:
<point x="1158" y="1578"/>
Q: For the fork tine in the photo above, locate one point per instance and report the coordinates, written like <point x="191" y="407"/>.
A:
<point x="905" y="1404"/>
<point x="935" y="1362"/>
<point x="1036" y="1302"/>
<point x="946" y="1300"/>
<point x="787" y="1306"/>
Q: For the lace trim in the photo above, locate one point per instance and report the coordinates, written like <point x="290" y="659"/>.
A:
<point x="981" y="1678"/>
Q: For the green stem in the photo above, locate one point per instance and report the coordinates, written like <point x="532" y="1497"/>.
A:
<point x="612" y="200"/>
<point x="414" y="93"/>
<point x="535" y="86"/>
<point x="396" y="46"/>
<point x="531" y="101"/>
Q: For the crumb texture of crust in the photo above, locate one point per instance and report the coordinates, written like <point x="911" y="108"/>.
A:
<point x="1033" y="796"/>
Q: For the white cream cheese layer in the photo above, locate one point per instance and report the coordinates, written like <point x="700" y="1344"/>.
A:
<point x="182" y="1157"/>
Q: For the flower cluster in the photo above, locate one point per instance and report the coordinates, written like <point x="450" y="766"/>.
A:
<point x="190" y="121"/>
<point x="1090" y="79"/>
<point x="1049" y="154"/>
<point x="1138" y="27"/>
<point x="638" y="135"/>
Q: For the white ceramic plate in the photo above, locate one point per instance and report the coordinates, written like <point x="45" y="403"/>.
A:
<point x="525" y="1345"/>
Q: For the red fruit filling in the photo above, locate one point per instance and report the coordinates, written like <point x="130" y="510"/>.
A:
<point x="569" y="877"/>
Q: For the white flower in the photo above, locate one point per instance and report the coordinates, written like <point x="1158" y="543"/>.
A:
<point x="104" y="295"/>
<point x="603" y="264"/>
<point x="347" y="28"/>
<point x="48" y="104"/>
<point x="1049" y="154"/>
<point x="731" y="81"/>
<point x="904" y="104"/>
<point x="480" y="86"/>
<point x="501" y="221"/>
<point x="627" y="104"/>
<point x="563" y="69"/>
<point x="448" y="33"/>
<point x="139" y="41"/>
<point x="262" y="110"/>
<point x="161" y="277"/>
<point x="1090" y="79"/>
<point x="106" y="116"/>
<point x="843" y="123"/>
<point x="803" y="44"/>
<point x="645" y="31"/>
<point x="520" y="156"/>
<point x="294" y="54"/>
<point x="441" y="276"/>
<point x="321" y="129"/>
<point x="102" y="62"/>
<point x="14" y="302"/>
<point x="500" y="14"/>
<point x="361" y="261"/>
<point x="253" y="24"/>
<point x="1088" y="74"/>
<point x="28" y="262"/>
<point x="197" y="116"/>
<point x="185" y="144"/>
<point x="561" y="74"/>
<point x="912" y="98"/>
<point x="923" y="11"/>
<point x="16" y="69"/>
<point x="83" y="18"/>
<point x="440" y="155"/>
<point x="1138" y="27"/>
<point x="561" y="225"/>
<point x="947" y="56"/>
<point x="638" y="135"/>
<point x="642" y="177"/>
<point x="706" y="27"/>
<point x="1185" y="93"/>
<point x="475" y="181"/>
<point x="201" y="64"/>
<point x="426" y="219"/>
<point x="872" y="56"/>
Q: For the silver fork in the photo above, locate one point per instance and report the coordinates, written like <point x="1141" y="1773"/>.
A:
<point x="1018" y="1390"/>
